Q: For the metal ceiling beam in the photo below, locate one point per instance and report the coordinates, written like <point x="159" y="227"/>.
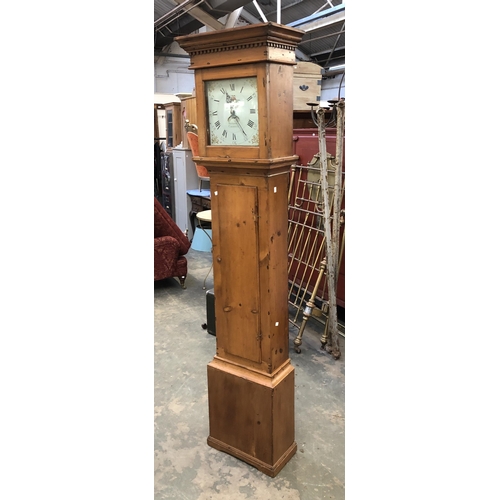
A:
<point x="199" y="14"/>
<point x="315" y="21"/>
<point x="334" y="70"/>
<point x="323" y="23"/>
<point x="321" y="37"/>
<point x="173" y="11"/>
<point x="321" y="52"/>
<point x="254" y="20"/>
<point x="250" y="18"/>
<point x="292" y="4"/>
<point x="332" y="62"/>
<point x="173" y="15"/>
<point x="259" y="10"/>
<point x="232" y="18"/>
<point x="335" y="45"/>
<point x="324" y="5"/>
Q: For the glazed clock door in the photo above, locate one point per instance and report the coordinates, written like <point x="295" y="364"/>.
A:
<point x="238" y="285"/>
<point x="233" y="111"/>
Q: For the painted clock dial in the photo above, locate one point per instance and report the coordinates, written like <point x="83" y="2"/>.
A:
<point x="233" y="112"/>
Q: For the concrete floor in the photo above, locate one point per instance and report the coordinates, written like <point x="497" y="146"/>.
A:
<point x="185" y="466"/>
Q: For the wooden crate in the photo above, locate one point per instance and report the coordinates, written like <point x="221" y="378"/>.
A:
<point x="306" y="85"/>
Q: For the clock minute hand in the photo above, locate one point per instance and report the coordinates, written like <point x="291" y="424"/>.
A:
<point x="239" y="124"/>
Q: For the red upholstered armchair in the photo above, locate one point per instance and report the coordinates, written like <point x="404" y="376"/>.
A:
<point x="171" y="244"/>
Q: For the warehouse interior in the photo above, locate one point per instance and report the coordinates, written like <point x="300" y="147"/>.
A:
<point x="78" y="318"/>
<point x="185" y="466"/>
<point x="322" y="21"/>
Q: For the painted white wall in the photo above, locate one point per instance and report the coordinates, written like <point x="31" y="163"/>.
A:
<point x="330" y="88"/>
<point x="172" y="75"/>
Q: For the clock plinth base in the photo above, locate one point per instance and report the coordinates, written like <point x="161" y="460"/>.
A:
<point x="252" y="415"/>
<point x="269" y="470"/>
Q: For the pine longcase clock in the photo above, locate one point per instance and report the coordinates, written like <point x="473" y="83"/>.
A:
<point x="244" y="89"/>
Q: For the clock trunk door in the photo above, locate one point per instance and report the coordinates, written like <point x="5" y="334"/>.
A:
<point x="237" y="280"/>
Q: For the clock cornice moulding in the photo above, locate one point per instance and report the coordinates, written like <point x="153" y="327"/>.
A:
<point x="245" y="44"/>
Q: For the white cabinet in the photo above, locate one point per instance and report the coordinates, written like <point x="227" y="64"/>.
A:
<point x="185" y="178"/>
